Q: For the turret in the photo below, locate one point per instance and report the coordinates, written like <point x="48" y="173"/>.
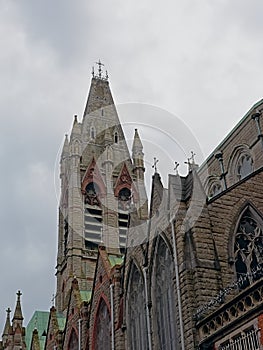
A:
<point x="18" y="317"/>
<point x="138" y="156"/>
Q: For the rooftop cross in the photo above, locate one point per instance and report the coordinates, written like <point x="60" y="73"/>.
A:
<point x="155" y="161"/>
<point x="8" y="311"/>
<point x="100" y="74"/>
<point x="18" y="295"/>
<point x="100" y="70"/>
<point x="192" y="158"/>
<point x="176" y="167"/>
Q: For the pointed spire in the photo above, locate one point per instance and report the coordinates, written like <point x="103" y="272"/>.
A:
<point x="76" y="130"/>
<point x="7" y="322"/>
<point x="65" y="149"/>
<point x="99" y="94"/>
<point x="137" y="146"/>
<point x="18" y="311"/>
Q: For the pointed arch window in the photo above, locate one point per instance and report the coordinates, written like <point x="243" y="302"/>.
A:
<point x="103" y="328"/>
<point x="244" y="166"/>
<point x="136" y="311"/>
<point x="164" y="296"/>
<point x="248" y="248"/>
<point x="73" y="341"/>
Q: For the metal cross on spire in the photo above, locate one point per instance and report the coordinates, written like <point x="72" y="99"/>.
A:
<point x="176" y="167"/>
<point x="155" y="161"/>
<point x="99" y="65"/>
<point x="192" y="158"/>
<point x="100" y="74"/>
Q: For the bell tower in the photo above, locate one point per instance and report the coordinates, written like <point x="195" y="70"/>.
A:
<point x="99" y="183"/>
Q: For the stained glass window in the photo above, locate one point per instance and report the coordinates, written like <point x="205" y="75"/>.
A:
<point x="136" y="317"/>
<point x="248" y="248"/>
<point x="165" y="298"/>
<point x="103" y="328"/>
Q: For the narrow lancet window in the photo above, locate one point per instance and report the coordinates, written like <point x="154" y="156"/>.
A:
<point x="136" y="312"/>
<point x="165" y="323"/>
<point x="248" y="248"/>
<point x="103" y="328"/>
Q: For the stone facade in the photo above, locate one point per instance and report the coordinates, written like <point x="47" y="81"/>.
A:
<point x="186" y="276"/>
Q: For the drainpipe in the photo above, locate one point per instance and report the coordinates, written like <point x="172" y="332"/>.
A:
<point x="178" y="285"/>
<point x="147" y="308"/>
<point x="112" y="317"/>
<point x="79" y="326"/>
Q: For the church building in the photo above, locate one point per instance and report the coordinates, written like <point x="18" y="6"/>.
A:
<point x="185" y="274"/>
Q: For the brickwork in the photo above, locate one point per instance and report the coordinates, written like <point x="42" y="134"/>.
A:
<point x="96" y="152"/>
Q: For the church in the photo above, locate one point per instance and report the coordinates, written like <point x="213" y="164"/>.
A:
<point x="180" y="271"/>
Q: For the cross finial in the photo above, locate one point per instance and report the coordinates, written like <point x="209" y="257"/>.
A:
<point x="8" y="311"/>
<point x="100" y="74"/>
<point x="99" y="65"/>
<point x="18" y="295"/>
<point x="192" y="158"/>
<point x="155" y="161"/>
<point x="176" y="167"/>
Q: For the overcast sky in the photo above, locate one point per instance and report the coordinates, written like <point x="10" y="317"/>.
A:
<point x="200" y="60"/>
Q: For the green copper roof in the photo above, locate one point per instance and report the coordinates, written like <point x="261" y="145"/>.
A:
<point x="115" y="259"/>
<point x="85" y="295"/>
<point x="61" y="321"/>
<point x="38" y="321"/>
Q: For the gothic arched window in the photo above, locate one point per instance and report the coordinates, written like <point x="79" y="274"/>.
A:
<point x="164" y="297"/>
<point x="248" y="248"/>
<point x="92" y="192"/>
<point x="73" y="341"/>
<point x="103" y="328"/>
<point x="244" y="166"/>
<point x="136" y="312"/>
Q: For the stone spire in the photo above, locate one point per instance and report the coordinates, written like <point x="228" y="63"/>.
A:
<point x="138" y="155"/>
<point x="65" y="149"/>
<point x="7" y="323"/>
<point x="76" y="129"/>
<point x="18" y="310"/>
<point x="99" y="94"/>
<point x="137" y="146"/>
